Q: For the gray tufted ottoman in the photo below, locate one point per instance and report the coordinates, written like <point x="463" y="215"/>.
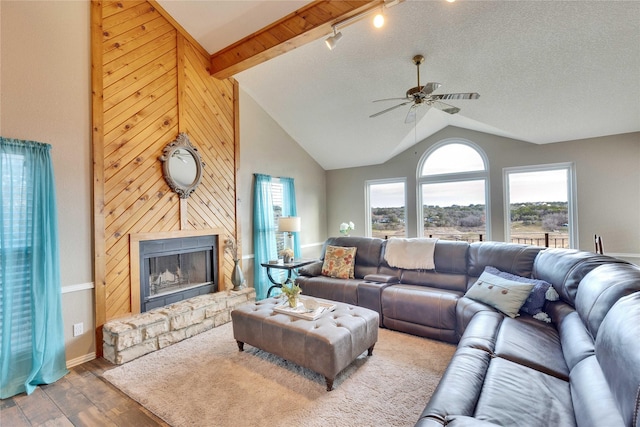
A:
<point x="326" y="345"/>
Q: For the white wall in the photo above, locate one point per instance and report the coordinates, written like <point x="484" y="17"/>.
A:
<point x="608" y="184"/>
<point x="45" y="94"/>
<point x="266" y="148"/>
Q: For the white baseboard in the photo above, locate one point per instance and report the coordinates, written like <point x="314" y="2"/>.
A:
<point x="80" y="360"/>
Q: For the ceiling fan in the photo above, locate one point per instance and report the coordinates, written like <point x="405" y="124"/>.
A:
<point x="423" y="95"/>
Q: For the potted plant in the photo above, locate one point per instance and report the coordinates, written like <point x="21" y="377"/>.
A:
<point x="291" y="291"/>
<point x="346" y="227"/>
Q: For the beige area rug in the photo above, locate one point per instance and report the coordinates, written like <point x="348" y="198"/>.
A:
<point x="206" y="381"/>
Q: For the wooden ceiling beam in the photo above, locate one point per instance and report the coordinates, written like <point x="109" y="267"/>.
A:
<point x="305" y="25"/>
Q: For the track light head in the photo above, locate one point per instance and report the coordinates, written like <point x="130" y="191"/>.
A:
<point x="331" y="41"/>
<point x="378" y="20"/>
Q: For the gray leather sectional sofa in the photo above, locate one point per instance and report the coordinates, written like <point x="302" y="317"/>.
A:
<point x="582" y="368"/>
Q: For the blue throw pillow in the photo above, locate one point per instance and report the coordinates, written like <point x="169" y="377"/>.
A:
<point x="534" y="303"/>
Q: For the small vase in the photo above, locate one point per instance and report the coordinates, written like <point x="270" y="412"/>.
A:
<point x="237" y="278"/>
<point x="287" y="259"/>
<point x="293" y="301"/>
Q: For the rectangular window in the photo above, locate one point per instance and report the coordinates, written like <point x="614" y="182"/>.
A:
<point x="454" y="210"/>
<point x="277" y="200"/>
<point x="386" y="208"/>
<point x="538" y="205"/>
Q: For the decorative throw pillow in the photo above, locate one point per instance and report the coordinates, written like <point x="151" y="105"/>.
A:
<point x="339" y="262"/>
<point x="539" y="294"/>
<point x="502" y="294"/>
<point x="312" y="270"/>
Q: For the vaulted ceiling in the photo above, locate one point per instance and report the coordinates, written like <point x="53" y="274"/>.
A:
<point x="546" y="71"/>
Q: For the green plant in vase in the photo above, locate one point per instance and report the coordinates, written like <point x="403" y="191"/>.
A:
<point x="291" y="291"/>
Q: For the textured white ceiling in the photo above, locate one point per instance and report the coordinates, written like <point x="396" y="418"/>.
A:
<point x="547" y="71"/>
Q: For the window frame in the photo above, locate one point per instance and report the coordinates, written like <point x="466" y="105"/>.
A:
<point x="572" y="204"/>
<point x="479" y="175"/>
<point x="367" y="202"/>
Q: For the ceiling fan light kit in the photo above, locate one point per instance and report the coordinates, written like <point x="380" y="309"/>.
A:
<point x="423" y="95"/>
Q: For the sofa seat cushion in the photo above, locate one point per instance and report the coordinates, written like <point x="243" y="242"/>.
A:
<point x="421" y="305"/>
<point x="531" y="343"/>
<point x="524" y="340"/>
<point x="515" y="395"/>
<point x="341" y="290"/>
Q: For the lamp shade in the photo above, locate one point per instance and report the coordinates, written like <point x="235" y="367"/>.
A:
<point x="289" y="223"/>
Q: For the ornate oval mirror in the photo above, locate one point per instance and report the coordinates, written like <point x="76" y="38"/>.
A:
<point x="182" y="166"/>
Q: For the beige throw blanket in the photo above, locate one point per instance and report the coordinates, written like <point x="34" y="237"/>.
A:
<point x="411" y="254"/>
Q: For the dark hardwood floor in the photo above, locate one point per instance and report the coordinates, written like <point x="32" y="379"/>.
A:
<point x="81" y="398"/>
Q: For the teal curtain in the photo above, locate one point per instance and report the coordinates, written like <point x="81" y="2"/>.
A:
<point x="289" y="209"/>
<point x="264" y="233"/>
<point x="31" y="331"/>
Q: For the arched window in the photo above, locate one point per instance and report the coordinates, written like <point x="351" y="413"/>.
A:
<point x="453" y="195"/>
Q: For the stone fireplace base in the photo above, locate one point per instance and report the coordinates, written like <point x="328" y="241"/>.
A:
<point x="128" y="338"/>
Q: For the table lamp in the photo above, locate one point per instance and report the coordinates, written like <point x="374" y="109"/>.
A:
<point x="288" y="225"/>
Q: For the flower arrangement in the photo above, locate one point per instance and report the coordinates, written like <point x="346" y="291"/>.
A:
<point x="286" y="254"/>
<point x="291" y="291"/>
<point x="231" y="246"/>
<point x="346" y="227"/>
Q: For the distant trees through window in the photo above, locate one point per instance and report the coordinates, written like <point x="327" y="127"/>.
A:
<point x="452" y="182"/>
<point x="538" y="208"/>
<point x="386" y="200"/>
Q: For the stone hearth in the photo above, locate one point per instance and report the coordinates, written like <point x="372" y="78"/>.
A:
<point x="128" y="338"/>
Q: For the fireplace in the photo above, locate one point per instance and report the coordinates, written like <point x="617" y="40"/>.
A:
<point x="177" y="268"/>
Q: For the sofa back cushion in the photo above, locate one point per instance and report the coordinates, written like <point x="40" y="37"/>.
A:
<point x="367" y="253"/>
<point x="618" y="353"/>
<point x="601" y="288"/>
<point x="509" y="257"/>
<point x="565" y="268"/>
<point x="450" y="258"/>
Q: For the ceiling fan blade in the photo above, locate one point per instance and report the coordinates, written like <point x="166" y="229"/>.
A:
<point x="389" y="109"/>
<point x="392" y="99"/>
<point x="430" y="87"/>
<point x="444" y="107"/>
<point x="469" y="95"/>
<point x="411" y="114"/>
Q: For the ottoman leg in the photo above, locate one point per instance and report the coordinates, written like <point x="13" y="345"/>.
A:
<point x="370" y="350"/>
<point x="329" y="383"/>
<point x="240" y="345"/>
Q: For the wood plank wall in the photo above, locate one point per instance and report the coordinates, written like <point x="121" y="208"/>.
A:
<point x="151" y="81"/>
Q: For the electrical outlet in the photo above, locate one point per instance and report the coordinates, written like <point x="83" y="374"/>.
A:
<point x="78" y="329"/>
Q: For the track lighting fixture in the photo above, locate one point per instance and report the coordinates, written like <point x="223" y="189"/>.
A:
<point x="378" y="21"/>
<point x="331" y="41"/>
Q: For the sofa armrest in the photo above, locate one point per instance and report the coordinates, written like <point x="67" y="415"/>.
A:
<point x="312" y="270"/>
<point x="370" y="296"/>
<point x="466" y="308"/>
<point x="381" y="278"/>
